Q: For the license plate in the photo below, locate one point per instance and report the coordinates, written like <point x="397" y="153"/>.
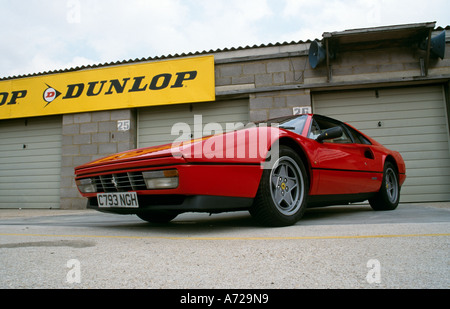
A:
<point x="122" y="200"/>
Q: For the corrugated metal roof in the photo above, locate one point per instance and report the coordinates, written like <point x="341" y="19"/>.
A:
<point x="164" y="57"/>
<point x="170" y="56"/>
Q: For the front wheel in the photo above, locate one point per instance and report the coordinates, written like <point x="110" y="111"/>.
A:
<point x="282" y="193"/>
<point x="389" y="195"/>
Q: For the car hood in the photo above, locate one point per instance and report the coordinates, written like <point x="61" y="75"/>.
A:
<point x="245" y="145"/>
<point x="148" y="153"/>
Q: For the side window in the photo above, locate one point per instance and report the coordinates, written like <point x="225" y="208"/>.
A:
<point x="358" y="138"/>
<point x="315" y="130"/>
<point x="320" y="125"/>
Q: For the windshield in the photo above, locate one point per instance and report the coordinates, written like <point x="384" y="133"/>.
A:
<point x="291" y="123"/>
<point x="295" y="124"/>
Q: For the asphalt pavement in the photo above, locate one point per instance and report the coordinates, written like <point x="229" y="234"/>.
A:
<point x="333" y="248"/>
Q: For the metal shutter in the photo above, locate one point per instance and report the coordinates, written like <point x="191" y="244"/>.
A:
<point x="410" y="120"/>
<point x="155" y="123"/>
<point x="30" y="162"/>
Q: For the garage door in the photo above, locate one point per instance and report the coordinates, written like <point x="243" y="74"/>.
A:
<point x="156" y="124"/>
<point x="410" y="120"/>
<point x="30" y="163"/>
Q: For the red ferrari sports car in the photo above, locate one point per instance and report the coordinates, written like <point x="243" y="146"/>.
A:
<point x="274" y="170"/>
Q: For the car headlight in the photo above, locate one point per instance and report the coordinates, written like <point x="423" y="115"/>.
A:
<point x="86" y="185"/>
<point x="166" y="179"/>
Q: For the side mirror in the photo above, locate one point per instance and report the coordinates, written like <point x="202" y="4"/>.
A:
<point x="330" y="133"/>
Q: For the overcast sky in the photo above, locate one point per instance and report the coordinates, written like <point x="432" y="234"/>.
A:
<point x="44" y="35"/>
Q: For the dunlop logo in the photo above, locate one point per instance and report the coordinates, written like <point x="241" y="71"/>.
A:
<point x="116" y="86"/>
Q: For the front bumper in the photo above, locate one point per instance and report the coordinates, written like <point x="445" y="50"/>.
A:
<point x="179" y="204"/>
<point x="202" y="187"/>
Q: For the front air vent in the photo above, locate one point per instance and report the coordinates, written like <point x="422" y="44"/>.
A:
<point x="120" y="182"/>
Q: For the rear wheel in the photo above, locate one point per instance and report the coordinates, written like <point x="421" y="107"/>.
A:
<point x="157" y="217"/>
<point x="389" y="195"/>
<point x="281" y="197"/>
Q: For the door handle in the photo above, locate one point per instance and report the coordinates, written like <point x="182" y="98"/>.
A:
<point x="368" y="153"/>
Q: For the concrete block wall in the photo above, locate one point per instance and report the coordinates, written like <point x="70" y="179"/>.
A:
<point x="90" y="136"/>
<point x="381" y="64"/>
<point x="377" y="65"/>
<point x="269" y="105"/>
<point x="266" y="74"/>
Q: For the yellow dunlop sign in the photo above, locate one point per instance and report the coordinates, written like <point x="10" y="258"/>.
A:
<point x="145" y="84"/>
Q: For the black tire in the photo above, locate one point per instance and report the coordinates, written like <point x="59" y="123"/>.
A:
<point x="157" y="217"/>
<point x="389" y="195"/>
<point x="282" y="193"/>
